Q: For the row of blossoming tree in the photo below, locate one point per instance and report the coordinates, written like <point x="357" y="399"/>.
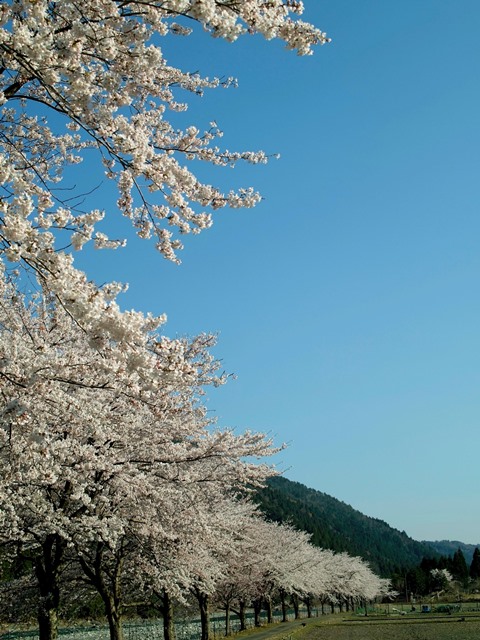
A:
<point x="122" y="487"/>
<point x="112" y="477"/>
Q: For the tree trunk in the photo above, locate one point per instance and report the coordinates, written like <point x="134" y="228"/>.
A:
<point x="268" y="604"/>
<point x="166" y="609"/>
<point x="109" y="589"/>
<point x="308" y="604"/>
<point x="228" y="630"/>
<point x="284" y="606"/>
<point x="203" y="604"/>
<point x="47" y="567"/>
<point x="257" y="607"/>
<point x="114" y="618"/>
<point x="242" y="614"/>
<point x="47" y="621"/>
<point x="296" y="607"/>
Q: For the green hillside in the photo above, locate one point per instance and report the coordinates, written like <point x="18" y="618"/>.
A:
<point x="448" y="548"/>
<point x="335" y="525"/>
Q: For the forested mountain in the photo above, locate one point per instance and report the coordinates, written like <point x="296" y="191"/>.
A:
<point x="448" y="548"/>
<point x="335" y="525"/>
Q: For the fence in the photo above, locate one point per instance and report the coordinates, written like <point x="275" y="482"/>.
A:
<point x="186" y="629"/>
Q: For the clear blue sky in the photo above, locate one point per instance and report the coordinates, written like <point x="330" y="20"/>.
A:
<point x="348" y="302"/>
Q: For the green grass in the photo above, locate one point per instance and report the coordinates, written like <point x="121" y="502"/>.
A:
<point x="454" y="627"/>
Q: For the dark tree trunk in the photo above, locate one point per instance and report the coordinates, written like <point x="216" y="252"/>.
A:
<point x="228" y="630"/>
<point x="296" y="607"/>
<point x="108" y="585"/>
<point x="168" y="619"/>
<point x="257" y="607"/>
<point x="165" y="606"/>
<point x="47" y="619"/>
<point x="284" y="605"/>
<point x="242" y="614"/>
<point x="308" y="604"/>
<point x="332" y="606"/>
<point x="114" y="618"/>
<point x="203" y="604"/>
<point x="47" y="568"/>
<point x="268" y="605"/>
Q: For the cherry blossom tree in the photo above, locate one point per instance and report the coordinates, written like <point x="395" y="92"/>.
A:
<point x="196" y="561"/>
<point x="441" y="579"/>
<point x="275" y="562"/>
<point x="239" y="556"/>
<point x="349" y="581"/>
<point x="271" y="561"/>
